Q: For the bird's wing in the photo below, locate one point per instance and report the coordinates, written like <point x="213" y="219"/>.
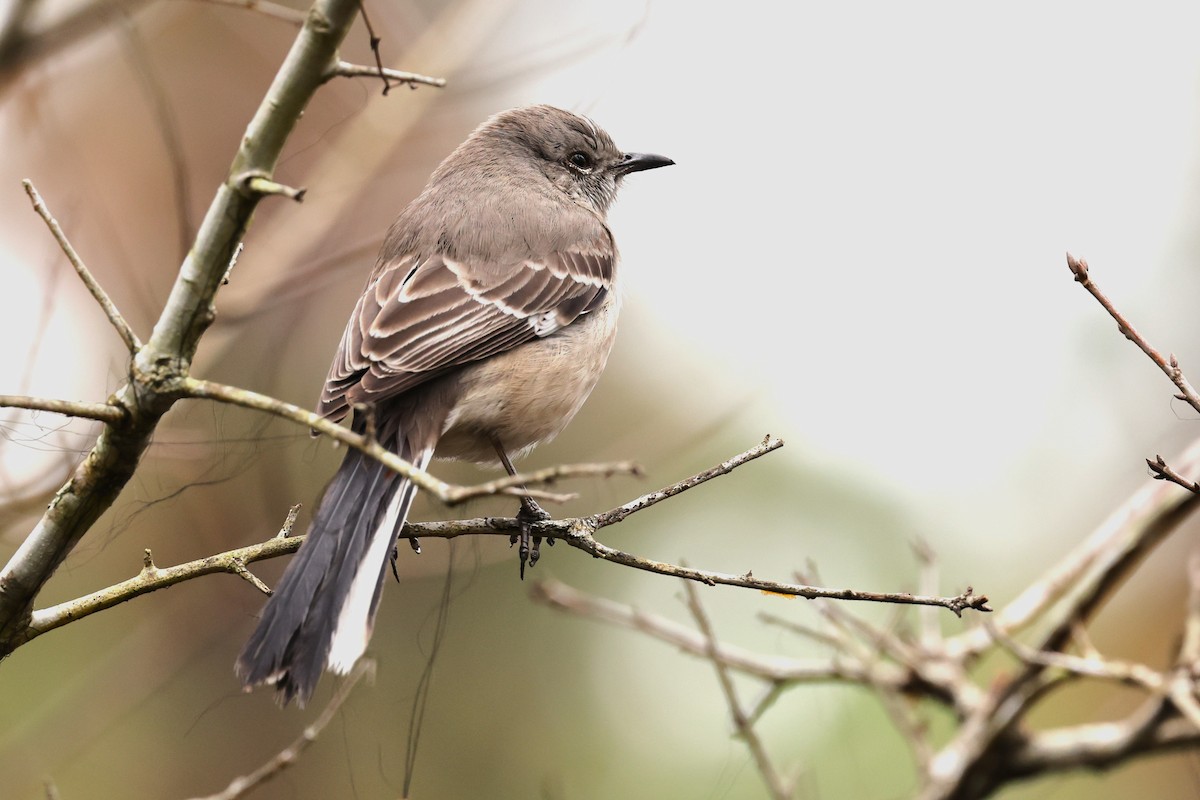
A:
<point x="420" y="316"/>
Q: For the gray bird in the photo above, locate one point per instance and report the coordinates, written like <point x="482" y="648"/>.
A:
<point x="482" y="329"/>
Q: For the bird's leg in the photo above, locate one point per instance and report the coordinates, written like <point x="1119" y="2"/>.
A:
<point x="416" y="546"/>
<point x="530" y="514"/>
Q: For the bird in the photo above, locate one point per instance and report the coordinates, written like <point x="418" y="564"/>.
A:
<point x="483" y="327"/>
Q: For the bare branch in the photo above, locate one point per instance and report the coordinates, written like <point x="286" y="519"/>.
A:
<point x="102" y="412"/>
<point x="289" y="755"/>
<point x="1102" y="745"/>
<point x="1163" y="472"/>
<point x="1135" y="527"/>
<point x="110" y="310"/>
<point x="445" y="492"/>
<point x="1169" y="365"/>
<point x="645" y="501"/>
<point x="344" y="69"/>
<point x="160" y="364"/>
<point x="267" y="9"/>
<point x="771" y="668"/>
<point x="745" y="728"/>
<point x="152" y="578"/>
<point x="260" y="183"/>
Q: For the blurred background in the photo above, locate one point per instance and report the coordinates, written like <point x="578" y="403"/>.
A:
<point x="860" y="250"/>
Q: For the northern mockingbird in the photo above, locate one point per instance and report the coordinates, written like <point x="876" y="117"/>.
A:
<point x="481" y="331"/>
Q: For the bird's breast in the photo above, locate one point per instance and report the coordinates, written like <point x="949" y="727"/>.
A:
<point x="527" y="395"/>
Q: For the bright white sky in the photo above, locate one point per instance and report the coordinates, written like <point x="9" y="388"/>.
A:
<point x="868" y="220"/>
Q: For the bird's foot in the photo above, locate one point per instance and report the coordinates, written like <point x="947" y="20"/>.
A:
<point x="416" y="546"/>
<point x="530" y="547"/>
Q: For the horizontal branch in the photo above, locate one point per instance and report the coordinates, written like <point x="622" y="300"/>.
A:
<point x="102" y="412"/>
<point x="449" y="494"/>
<point x="153" y="578"/>
<point x="344" y="69"/>
<point x="268" y="9"/>
<point x="769" y="668"/>
<point x="1102" y="745"/>
<point x="577" y="532"/>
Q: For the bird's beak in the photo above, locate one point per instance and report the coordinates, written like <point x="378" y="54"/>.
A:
<point x="636" y="162"/>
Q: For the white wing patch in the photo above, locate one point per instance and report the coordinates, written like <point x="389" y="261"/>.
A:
<point x="545" y="323"/>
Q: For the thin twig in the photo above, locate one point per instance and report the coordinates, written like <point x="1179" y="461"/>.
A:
<point x="102" y="412"/>
<point x="344" y="69"/>
<point x="267" y="9"/>
<point x="577" y="532"/>
<point x="614" y="516"/>
<point x="291" y="754"/>
<point x="745" y="729"/>
<point x="445" y="492"/>
<point x="1169" y="365"/>
<point x="1163" y="472"/>
<point x="110" y="310"/>
<point x="152" y="578"/>
<point x="780" y="669"/>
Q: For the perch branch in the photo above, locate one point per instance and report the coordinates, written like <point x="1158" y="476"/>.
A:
<point x="577" y="532"/>
<point x="445" y="492"/>
<point x="291" y="754"/>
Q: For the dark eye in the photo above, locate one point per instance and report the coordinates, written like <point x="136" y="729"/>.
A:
<point x="580" y="160"/>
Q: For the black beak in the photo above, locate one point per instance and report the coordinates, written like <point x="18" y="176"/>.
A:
<point x="636" y="162"/>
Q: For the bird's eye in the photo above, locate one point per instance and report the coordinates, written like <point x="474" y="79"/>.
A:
<point x="580" y="160"/>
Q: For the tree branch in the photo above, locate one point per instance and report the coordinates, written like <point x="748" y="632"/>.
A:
<point x="163" y="361"/>
<point x="1169" y="365"/>
<point x="290" y="754"/>
<point x="102" y="412"/>
<point x="344" y="69"/>
<point x="741" y="722"/>
<point x="106" y="304"/>
<point x="449" y="494"/>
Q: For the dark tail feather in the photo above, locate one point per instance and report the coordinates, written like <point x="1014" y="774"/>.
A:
<point x="291" y="645"/>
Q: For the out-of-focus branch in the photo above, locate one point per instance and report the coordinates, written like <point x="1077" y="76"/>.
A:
<point x="238" y="787"/>
<point x="1153" y="511"/>
<point x="267" y="9"/>
<point x="21" y="42"/>
<point x="773" y="668"/>
<point x="159" y="365"/>
<point x="775" y="783"/>
<point x="106" y="304"/>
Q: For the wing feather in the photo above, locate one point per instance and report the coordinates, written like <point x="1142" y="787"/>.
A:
<point x="420" y="316"/>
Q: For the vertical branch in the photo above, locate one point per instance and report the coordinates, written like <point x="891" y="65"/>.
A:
<point x="741" y="721"/>
<point x="159" y="367"/>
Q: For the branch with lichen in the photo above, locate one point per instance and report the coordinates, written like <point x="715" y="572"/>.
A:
<point x="158" y="368"/>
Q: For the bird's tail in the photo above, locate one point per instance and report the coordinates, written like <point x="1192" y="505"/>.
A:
<point x="321" y="613"/>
